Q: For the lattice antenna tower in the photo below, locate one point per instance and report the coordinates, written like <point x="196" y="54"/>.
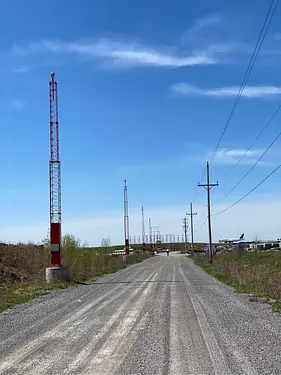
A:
<point x="55" y="176"/>
<point x="126" y="219"/>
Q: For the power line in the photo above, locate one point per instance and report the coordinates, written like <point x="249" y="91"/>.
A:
<point x="197" y="230"/>
<point x="258" y="136"/>
<point x="246" y="195"/>
<point x="253" y="166"/>
<point x="197" y="187"/>
<point x="252" y="61"/>
<point x="201" y="217"/>
<point x="248" y="71"/>
<point x="243" y="84"/>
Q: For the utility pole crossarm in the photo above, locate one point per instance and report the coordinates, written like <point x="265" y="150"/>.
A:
<point x="208" y="185"/>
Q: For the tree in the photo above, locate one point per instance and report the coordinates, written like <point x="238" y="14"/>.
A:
<point x="47" y="240"/>
<point x="69" y="241"/>
<point x="106" y="242"/>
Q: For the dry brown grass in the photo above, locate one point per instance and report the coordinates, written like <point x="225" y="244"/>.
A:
<point x="23" y="263"/>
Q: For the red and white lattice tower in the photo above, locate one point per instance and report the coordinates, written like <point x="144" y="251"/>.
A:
<point x="126" y="219"/>
<point x="143" y="229"/>
<point x="55" y="176"/>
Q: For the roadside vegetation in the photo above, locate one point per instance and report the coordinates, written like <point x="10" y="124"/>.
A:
<point x="22" y="267"/>
<point x="255" y="273"/>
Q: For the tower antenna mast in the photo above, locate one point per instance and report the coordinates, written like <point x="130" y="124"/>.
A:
<point x="126" y="219"/>
<point x="55" y="176"/>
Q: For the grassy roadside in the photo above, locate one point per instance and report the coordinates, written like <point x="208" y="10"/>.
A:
<point x="22" y="269"/>
<point x="257" y="274"/>
<point x="14" y="294"/>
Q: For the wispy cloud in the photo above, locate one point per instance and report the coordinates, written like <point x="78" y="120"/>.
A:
<point x="200" y="27"/>
<point x="17" y="104"/>
<point x="185" y="89"/>
<point x="232" y="156"/>
<point x="20" y="70"/>
<point x="204" y="22"/>
<point x="210" y="39"/>
<point x="119" y="53"/>
<point x="217" y="34"/>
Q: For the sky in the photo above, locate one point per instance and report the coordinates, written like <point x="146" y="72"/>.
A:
<point x="145" y="90"/>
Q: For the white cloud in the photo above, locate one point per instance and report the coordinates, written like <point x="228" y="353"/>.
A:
<point x="204" y="22"/>
<point x="18" y="104"/>
<point x="20" y="70"/>
<point x="185" y="89"/>
<point x="209" y="40"/>
<point x="199" y="27"/>
<point x="232" y="156"/>
<point x="119" y="53"/>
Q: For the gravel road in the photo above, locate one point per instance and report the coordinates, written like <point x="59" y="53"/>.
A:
<point x="162" y="316"/>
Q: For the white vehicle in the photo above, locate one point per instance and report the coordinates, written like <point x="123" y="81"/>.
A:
<point x="206" y="248"/>
<point x="122" y="251"/>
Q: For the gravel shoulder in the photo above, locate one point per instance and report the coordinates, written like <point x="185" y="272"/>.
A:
<point x="161" y="316"/>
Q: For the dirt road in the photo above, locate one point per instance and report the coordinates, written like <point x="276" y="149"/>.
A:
<point x="162" y="316"/>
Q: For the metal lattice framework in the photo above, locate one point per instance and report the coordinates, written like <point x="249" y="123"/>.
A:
<point x="55" y="174"/>
<point x="126" y="219"/>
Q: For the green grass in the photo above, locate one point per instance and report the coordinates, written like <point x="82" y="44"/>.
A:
<point x="14" y="294"/>
<point x="257" y="274"/>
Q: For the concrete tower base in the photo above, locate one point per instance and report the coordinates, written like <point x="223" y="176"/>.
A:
<point x="54" y="274"/>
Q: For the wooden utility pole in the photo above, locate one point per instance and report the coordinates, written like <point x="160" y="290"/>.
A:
<point x="185" y="232"/>
<point x="191" y="214"/>
<point x="208" y="187"/>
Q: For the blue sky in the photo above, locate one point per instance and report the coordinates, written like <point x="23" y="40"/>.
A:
<point x="145" y="89"/>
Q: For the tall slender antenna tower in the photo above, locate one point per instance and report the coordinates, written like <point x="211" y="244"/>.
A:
<point x="55" y="176"/>
<point x="126" y="219"/>
<point x="150" y="235"/>
<point x="143" y="230"/>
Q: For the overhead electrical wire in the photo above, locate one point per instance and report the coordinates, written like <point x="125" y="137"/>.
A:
<point x="201" y="217"/>
<point x="197" y="230"/>
<point x="197" y="187"/>
<point x="251" y="64"/>
<point x="258" y="136"/>
<point x="257" y="161"/>
<point x="250" y="192"/>
<point x="249" y="70"/>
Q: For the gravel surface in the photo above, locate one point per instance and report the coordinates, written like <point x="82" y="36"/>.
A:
<point x="162" y="316"/>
